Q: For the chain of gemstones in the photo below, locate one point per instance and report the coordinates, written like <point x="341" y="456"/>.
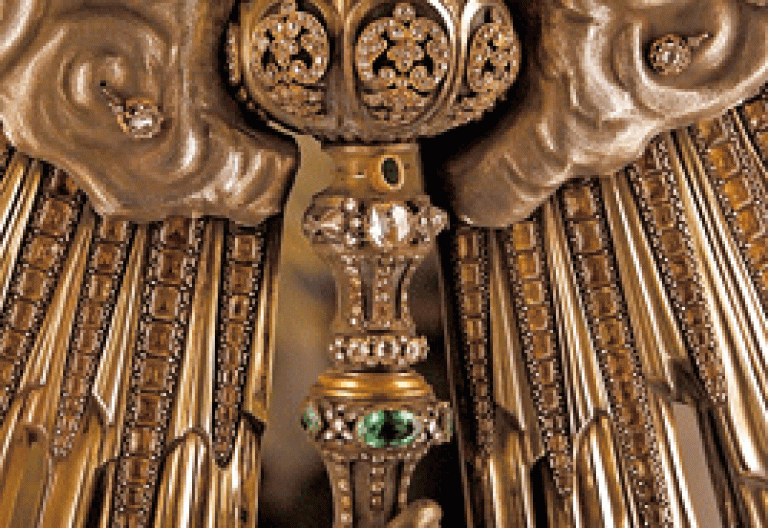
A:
<point x="599" y="283"/>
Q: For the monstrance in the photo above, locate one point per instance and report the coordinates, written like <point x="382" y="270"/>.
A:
<point x="370" y="79"/>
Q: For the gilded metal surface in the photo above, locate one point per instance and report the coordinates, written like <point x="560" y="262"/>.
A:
<point x="593" y="103"/>
<point x="55" y="56"/>
<point x="101" y="389"/>
<point x="136" y="359"/>
<point x="371" y="417"/>
<point x="400" y="70"/>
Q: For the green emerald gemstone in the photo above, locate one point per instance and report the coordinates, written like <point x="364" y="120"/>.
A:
<point x="390" y="170"/>
<point x="310" y="419"/>
<point x="387" y="428"/>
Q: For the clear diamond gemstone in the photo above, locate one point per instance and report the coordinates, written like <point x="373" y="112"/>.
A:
<point x="388" y="224"/>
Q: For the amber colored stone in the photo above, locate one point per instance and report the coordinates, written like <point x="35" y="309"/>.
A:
<point x="603" y="302"/>
<point x="699" y="336"/>
<point x="638" y="442"/>
<point x="763" y="278"/>
<point x="239" y="306"/>
<point x="176" y="232"/>
<point x="91" y="314"/>
<point x="155" y="373"/>
<point x="171" y="266"/>
<point x="558" y="442"/>
<point x="528" y="266"/>
<point x="7" y="371"/>
<point x="235" y="336"/>
<point x="144" y="440"/>
<point x="129" y="519"/>
<point x="477" y="351"/>
<point x="241" y="279"/>
<point x="11" y="344"/>
<point x="100" y="288"/>
<point x="62" y="185"/>
<point x="112" y="230"/>
<point x="166" y="302"/>
<point x="578" y="201"/>
<point x="473" y="328"/>
<point x="761" y="138"/>
<point x="547" y="371"/>
<point x="663" y="216"/>
<point x="723" y="159"/>
<point x="597" y="270"/>
<point x="689" y="292"/>
<point x="23" y="316"/>
<point x="549" y="399"/>
<point x="626" y="391"/>
<point x="709" y="130"/>
<point x="230" y="357"/>
<point x="76" y="386"/>
<point x="137" y="469"/>
<point x="618" y="363"/>
<point x="639" y="468"/>
<point x="748" y="220"/>
<point x="542" y="345"/>
<point x="587" y="236"/>
<point x="477" y="370"/>
<point x="473" y="303"/>
<point x="43" y="252"/>
<point x="552" y="422"/>
<point x="228" y="395"/>
<point x="533" y="292"/>
<point x="483" y="408"/>
<point x="538" y="318"/>
<point x="82" y="364"/>
<point x="227" y="414"/>
<point x="695" y="315"/>
<point x="628" y="413"/>
<point x="672" y="242"/>
<point x="756" y="114"/>
<point x="470" y="274"/>
<point x="33" y="285"/>
<point x="246" y="248"/>
<point x="468" y="244"/>
<point x="647" y="160"/>
<point x="758" y="252"/>
<point x="682" y="267"/>
<point x="737" y="192"/>
<point x="54" y="216"/>
<point x="160" y="338"/>
<point x="653" y="187"/>
<point x="107" y="258"/>
<point x="149" y="409"/>
<point x="524" y="236"/>
<point x="135" y="497"/>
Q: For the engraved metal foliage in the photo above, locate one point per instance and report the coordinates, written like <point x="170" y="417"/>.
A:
<point x="290" y="59"/>
<point x="401" y="61"/>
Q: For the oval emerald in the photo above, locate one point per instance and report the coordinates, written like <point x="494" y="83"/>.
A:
<point x="310" y="419"/>
<point x="390" y="171"/>
<point x="387" y="428"/>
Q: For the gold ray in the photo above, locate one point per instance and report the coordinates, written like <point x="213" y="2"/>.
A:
<point x="741" y="331"/>
<point x="582" y="373"/>
<point x="258" y="386"/>
<point x="70" y="497"/>
<point x="657" y="335"/>
<point x="29" y="422"/>
<point x="186" y="483"/>
<point x="598" y="494"/>
<point x="17" y="196"/>
<point x="518" y="443"/>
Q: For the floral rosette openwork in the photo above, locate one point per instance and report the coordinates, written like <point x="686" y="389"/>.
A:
<point x="370" y="78"/>
<point x="372" y="70"/>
